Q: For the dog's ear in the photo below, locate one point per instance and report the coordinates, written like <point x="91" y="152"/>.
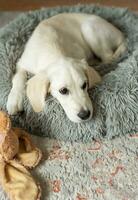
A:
<point x="37" y="89"/>
<point x="93" y="76"/>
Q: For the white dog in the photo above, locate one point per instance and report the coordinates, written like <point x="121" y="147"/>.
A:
<point x="58" y="54"/>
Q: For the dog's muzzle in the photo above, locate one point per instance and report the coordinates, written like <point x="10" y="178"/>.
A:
<point x="84" y="114"/>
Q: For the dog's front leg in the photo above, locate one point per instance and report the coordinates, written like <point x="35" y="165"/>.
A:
<point x="16" y="95"/>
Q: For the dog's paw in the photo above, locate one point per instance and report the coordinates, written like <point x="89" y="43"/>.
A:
<point x="15" y="102"/>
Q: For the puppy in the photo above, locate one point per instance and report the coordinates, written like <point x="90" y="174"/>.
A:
<point x="58" y="54"/>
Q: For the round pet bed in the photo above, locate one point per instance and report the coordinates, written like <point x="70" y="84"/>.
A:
<point x="115" y="99"/>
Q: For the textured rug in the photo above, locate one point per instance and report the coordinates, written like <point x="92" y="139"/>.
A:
<point x="98" y="170"/>
<point x="115" y="100"/>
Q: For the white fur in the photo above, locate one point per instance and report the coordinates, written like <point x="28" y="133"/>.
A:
<point x="58" y="54"/>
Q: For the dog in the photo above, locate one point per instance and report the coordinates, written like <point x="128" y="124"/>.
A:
<point x="58" y="54"/>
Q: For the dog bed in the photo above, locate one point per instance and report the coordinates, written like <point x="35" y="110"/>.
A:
<point x="115" y="99"/>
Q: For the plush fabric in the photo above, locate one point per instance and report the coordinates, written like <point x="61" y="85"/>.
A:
<point x="115" y="100"/>
<point x="17" y="153"/>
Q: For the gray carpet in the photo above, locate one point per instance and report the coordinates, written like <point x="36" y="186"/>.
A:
<point x="6" y="17"/>
<point x="115" y="100"/>
<point x="98" y="170"/>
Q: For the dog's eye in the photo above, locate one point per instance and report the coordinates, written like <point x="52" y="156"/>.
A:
<point x="84" y="86"/>
<point x="64" y="91"/>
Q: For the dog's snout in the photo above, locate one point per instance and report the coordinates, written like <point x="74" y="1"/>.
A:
<point x="84" y="114"/>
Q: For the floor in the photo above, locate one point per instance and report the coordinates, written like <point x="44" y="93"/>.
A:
<point x="8" y="5"/>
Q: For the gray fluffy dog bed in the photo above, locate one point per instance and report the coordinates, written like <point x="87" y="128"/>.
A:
<point x="115" y="100"/>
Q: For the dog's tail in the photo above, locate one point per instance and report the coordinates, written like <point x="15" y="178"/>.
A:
<point x="119" y="51"/>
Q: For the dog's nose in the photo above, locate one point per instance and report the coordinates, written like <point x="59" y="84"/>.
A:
<point x="84" y="114"/>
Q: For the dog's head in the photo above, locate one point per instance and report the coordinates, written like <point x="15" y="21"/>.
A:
<point x="68" y="81"/>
